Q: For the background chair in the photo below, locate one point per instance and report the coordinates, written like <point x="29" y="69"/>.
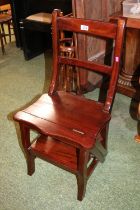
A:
<point x="72" y="130"/>
<point x="5" y="20"/>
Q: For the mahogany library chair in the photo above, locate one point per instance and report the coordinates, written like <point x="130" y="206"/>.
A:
<point x="72" y="129"/>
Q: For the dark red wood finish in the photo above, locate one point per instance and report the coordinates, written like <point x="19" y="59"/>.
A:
<point x="72" y="130"/>
<point x="137" y="137"/>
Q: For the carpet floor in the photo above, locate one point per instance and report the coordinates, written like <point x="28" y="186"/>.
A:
<point x="115" y="184"/>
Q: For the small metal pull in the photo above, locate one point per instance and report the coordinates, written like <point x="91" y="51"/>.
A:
<point x="77" y="131"/>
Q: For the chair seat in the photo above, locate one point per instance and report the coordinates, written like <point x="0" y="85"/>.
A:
<point x="5" y="17"/>
<point x="5" y="7"/>
<point x="41" y="17"/>
<point x="66" y="116"/>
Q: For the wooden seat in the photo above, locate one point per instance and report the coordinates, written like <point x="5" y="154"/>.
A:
<point x="38" y="21"/>
<point x="41" y="17"/>
<point x="5" y="8"/>
<point x="72" y="129"/>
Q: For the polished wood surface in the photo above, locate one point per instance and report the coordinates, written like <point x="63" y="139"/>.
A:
<point x="72" y="130"/>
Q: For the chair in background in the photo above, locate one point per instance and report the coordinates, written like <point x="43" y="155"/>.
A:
<point x="5" y="19"/>
<point x="72" y="130"/>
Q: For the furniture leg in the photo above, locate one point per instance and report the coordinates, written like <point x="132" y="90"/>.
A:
<point x="25" y="138"/>
<point x="2" y="43"/>
<point x="30" y="165"/>
<point x="128" y="83"/>
<point x="82" y="174"/>
<point x="9" y="30"/>
<point x="137" y="137"/>
<point x="104" y="135"/>
<point x="3" y="32"/>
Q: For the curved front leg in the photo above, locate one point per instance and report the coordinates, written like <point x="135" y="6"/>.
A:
<point x="82" y="173"/>
<point x="25" y="138"/>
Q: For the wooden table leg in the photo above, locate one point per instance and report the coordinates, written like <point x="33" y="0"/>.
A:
<point x="128" y="83"/>
<point x="137" y="137"/>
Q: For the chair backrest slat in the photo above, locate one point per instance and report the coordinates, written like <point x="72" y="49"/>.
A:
<point x="86" y="65"/>
<point x="90" y="27"/>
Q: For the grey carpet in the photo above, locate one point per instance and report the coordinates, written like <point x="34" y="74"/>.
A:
<point x="115" y="184"/>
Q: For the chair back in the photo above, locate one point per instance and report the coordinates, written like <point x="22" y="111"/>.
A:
<point x="104" y="30"/>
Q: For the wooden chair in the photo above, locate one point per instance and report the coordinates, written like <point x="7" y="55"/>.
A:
<point x="5" y="19"/>
<point x="72" y="130"/>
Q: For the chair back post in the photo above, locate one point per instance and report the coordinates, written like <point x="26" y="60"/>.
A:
<point x="116" y="64"/>
<point x="56" y="13"/>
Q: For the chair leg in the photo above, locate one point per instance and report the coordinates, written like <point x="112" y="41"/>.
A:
<point x="25" y="138"/>
<point x="3" y="32"/>
<point x="82" y="174"/>
<point x="2" y="43"/>
<point x="30" y="164"/>
<point x="9" y="30"/>
<point x="104" y="134"/>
